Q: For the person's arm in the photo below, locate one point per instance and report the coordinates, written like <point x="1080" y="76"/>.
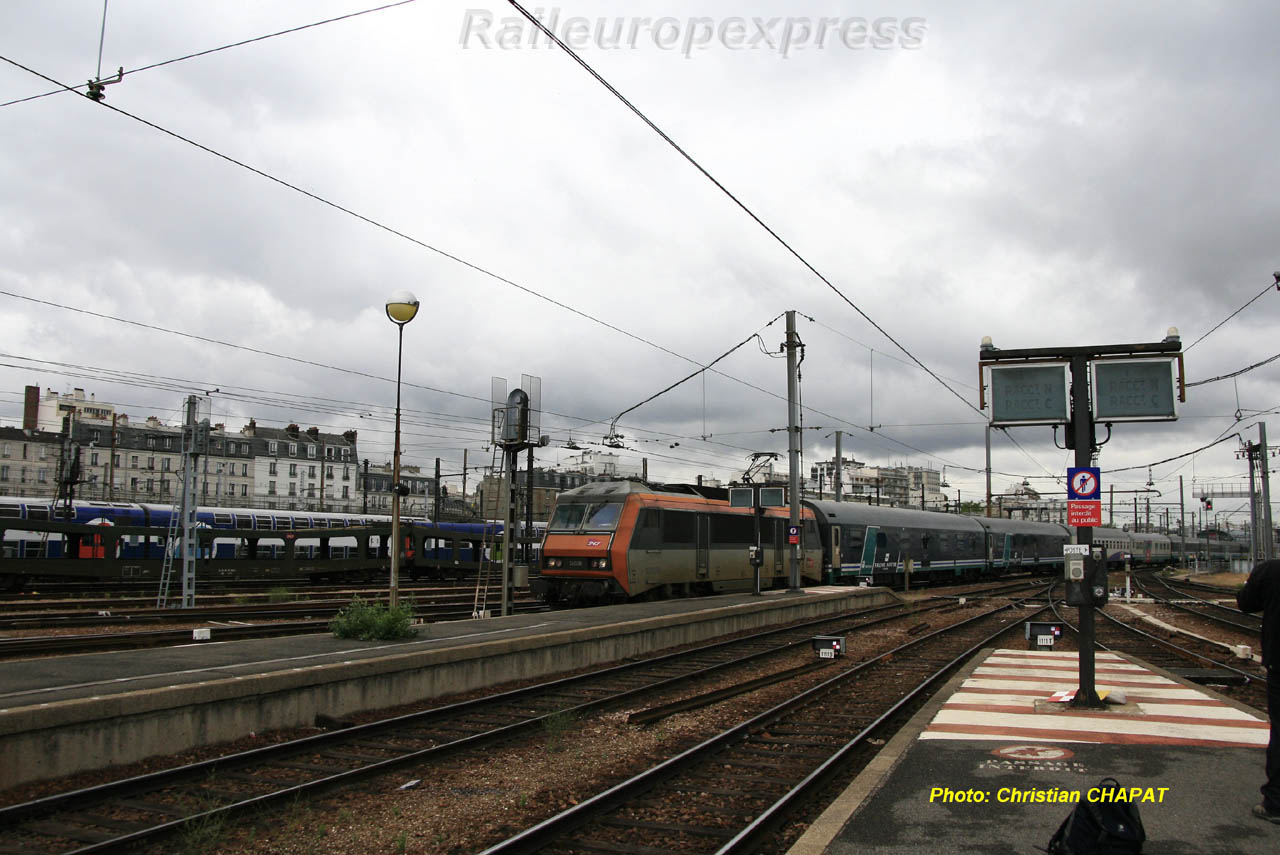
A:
<point x="1253" y="596"/>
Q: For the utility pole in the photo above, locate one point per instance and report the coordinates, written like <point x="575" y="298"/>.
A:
<point x="1182" y="524"/>
<point x="528" y="510"/>
<point x="435" y="512"/>
<point x="1255" y="537"/>
<point x="1269" y="537"/>
<point x="364" y="488"/>
<point x="464" y="479"/>
<point x="988" y="470"/>
<point x="111" y="463"/>
<point x="839" y="466"/>
<point x="793" y="443"/>
<point x="190" y="435"/>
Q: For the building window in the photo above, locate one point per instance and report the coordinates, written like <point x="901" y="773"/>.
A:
<point x="5" y="452"/>
<point x="151" y="484"/>
<point x="346" y="473"/>
<point x="244" y="490"/>
<point x="293" y="449"/>
<point x="273" y="448"/>
<point x="293" y="489"/>
<point x="346" y="492"/>
<point x="151" y="442"/>
<point x="168" y="442"/>
<point x="311" y="452"/>
<point x="244" y="470"/>
<point x="164" y="486"/>
<point x="164" y="463"/>
<point x="151" y="463"/>
<point x="133" y="461"/>
<point x="4" y="473"/>
<point x="94" y="436"/>
<point x="293" y="470"/>
<point x="115" y="460"/>
<point x="311" y="492"/>
<point x="93" y="458"/>
<point x="311" y="472"/>
<point x="328" y="472"/>
<point x="271" y="468"/>
<point x="271" y="488"/>
<point x="44" y="451"/>
<point x="328" y="452"/>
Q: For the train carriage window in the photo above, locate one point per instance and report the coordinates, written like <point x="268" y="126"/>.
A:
<point x="812" y="540"/>
<point x="10" y="511"/>
<point x="567" y="517"/>
<point x="244" y="520"/>
<point x="677" y="528"/>
<point x="37" y="512"/>
<point x="648" y="533"/>
<point x="738" y="529"/>
<point x="853" y="544"/>
<point x="603" y="516"/>
<point x="222" y="521"/>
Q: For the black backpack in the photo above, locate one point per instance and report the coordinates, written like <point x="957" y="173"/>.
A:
<point x="1100" y="828"/>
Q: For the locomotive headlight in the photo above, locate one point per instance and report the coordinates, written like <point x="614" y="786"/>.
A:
<point x="553" y="563"/>
<point x="600" y="563"/>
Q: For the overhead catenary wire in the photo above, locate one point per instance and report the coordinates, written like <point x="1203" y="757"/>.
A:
<point x="434" y="249"/>
<point x="1275" y="284"/>
<point x="207" y="51"/>
<point x="755" y="336"/>
<point x="750" y="213"/>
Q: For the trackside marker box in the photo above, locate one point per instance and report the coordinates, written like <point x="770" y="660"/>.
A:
<point x="828" y="646"/>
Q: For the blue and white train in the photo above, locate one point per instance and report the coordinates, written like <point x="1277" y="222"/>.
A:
<point x="256" y="536"/>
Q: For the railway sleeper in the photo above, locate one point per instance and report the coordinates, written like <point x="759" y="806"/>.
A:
<point x="673" y="827"/>
<point x="710" y="807"/>
<point x="69" y="832"/>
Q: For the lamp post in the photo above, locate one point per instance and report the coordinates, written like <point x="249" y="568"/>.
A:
<point x="401" y="308"/>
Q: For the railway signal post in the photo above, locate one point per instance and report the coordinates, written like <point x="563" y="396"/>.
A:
<point x="1107" y="383"/>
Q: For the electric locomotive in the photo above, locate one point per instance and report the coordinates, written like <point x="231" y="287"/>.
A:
<point x="619" y="541"/>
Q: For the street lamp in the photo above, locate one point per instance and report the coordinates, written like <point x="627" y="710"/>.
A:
<point x="401" y="308"/>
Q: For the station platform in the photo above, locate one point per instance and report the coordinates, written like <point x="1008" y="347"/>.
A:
<point x="61" y="715"/>
<point x="993" y="765"/>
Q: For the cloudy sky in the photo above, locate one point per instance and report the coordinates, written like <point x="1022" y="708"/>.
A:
<point x="1050" y="174"/>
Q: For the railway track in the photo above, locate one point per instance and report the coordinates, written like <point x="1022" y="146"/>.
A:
<point x="1166" y="593"/>
<point x="231" y="630"/>
<point x="738" y="790"/>
<point x="112" y="816"/>
<point x="1191" y="657"/>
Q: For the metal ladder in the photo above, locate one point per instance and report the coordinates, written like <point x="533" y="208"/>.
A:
<point x="172" y="546"/>
<point x="491" y="566"/>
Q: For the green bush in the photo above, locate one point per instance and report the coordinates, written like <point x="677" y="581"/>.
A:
<point x="374" y="621"/>
<point x="279" y="594"/>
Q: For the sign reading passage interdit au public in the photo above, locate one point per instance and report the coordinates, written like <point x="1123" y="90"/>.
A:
<point x="1084" y="496"/>
<point x="1029" y="394"/>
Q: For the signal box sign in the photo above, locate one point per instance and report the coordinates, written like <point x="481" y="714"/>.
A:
<point x="1084" y="513"/>
<point x="793" y="534"/>
<point x="1134" y="390"/>
<point x="1035" y="394"/>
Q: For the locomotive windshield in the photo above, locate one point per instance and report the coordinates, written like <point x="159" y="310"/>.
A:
<point x="582" y="516"/>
